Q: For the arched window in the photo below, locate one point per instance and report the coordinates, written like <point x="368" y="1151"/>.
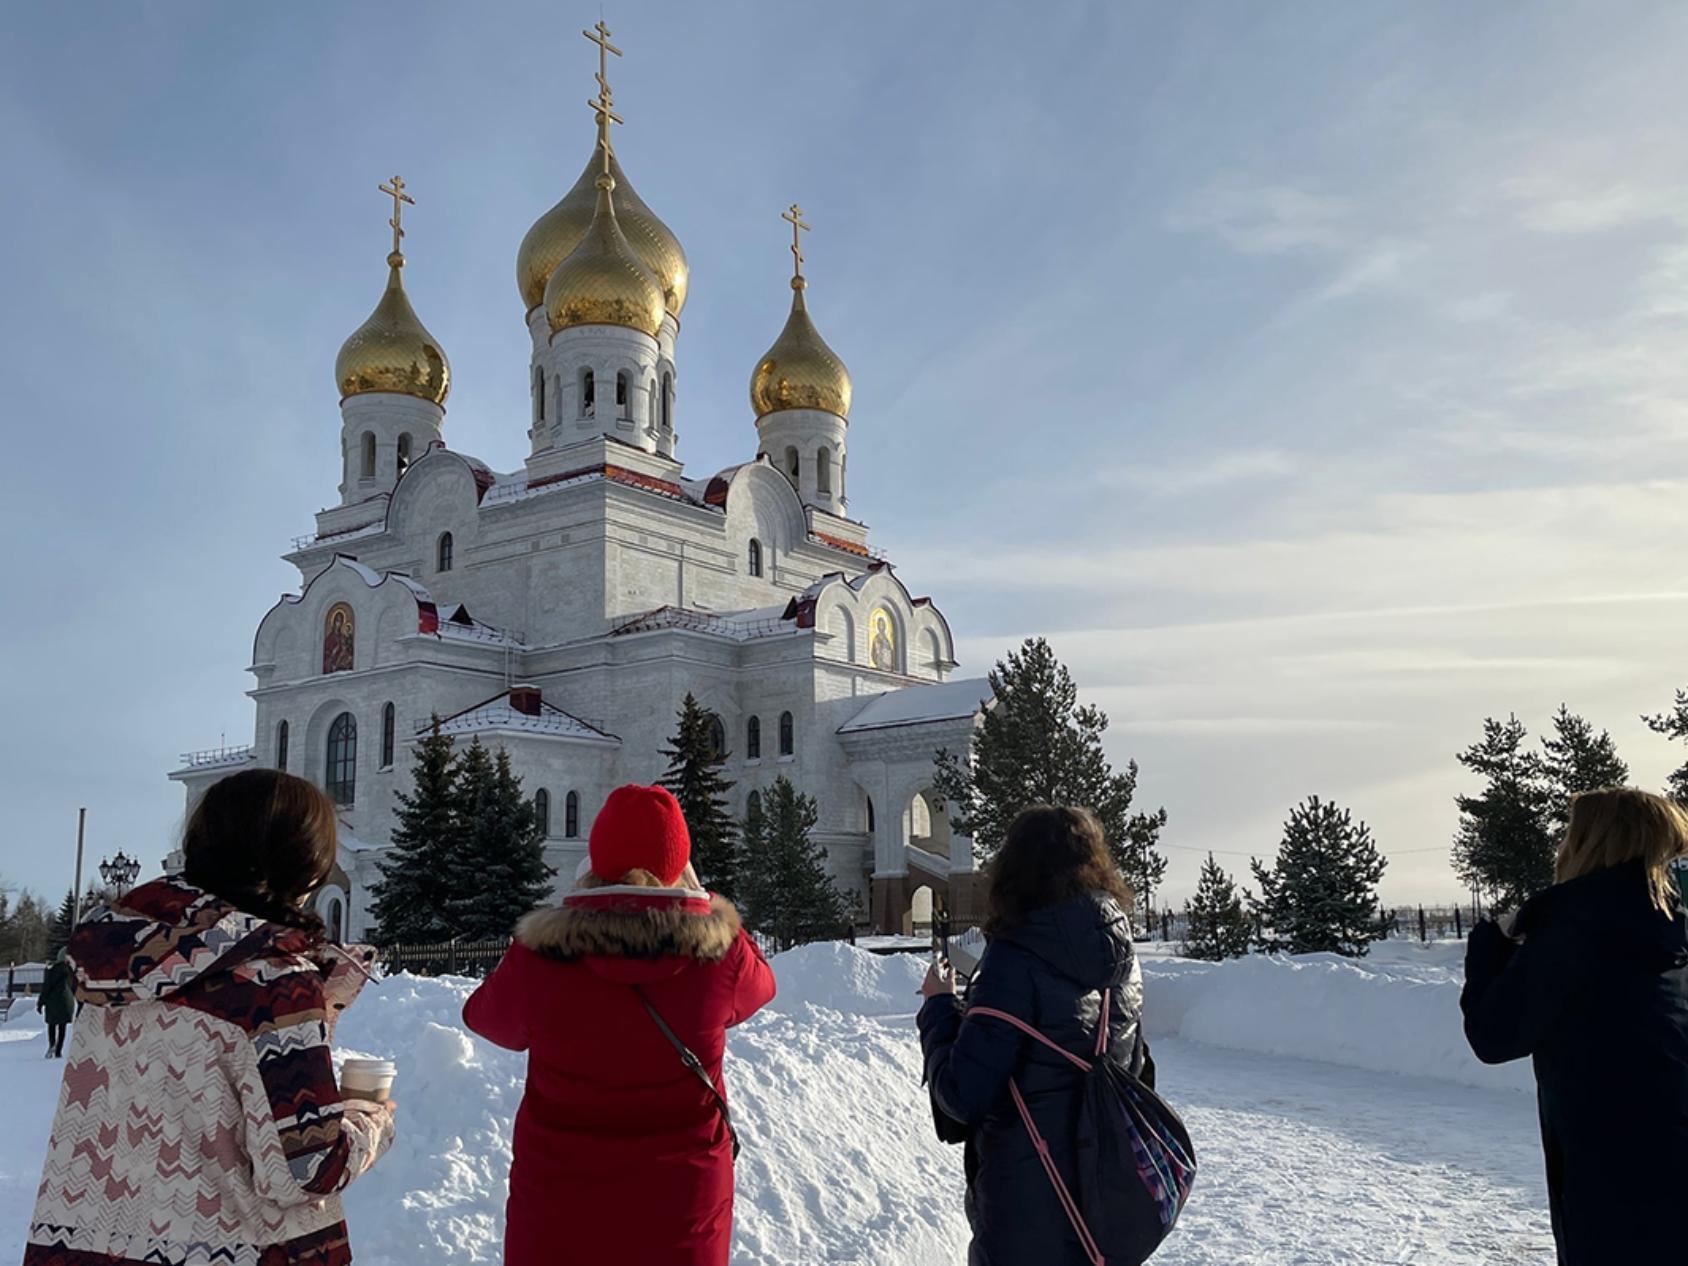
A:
<point x="389" y="730"/>
<point x="788" y="734"/>
<point x="588" y="393"/>
<point x="444" y="561"/>
<point x="650" y="399"/>
<point x="538" y="394"/>
<point x="755" y="558"/>
<point x="369" y="454"/>
<point x="870" y="826"/>
<point x="571" y="815"/>
<point x="336" y="920"/>
<point x="404" y="452"/>
<point x="281" y="747"/>
<point x="844" y="629"/>
<point x="622" y="409"/>
<point x="668" y="402"/>
<point x="753" y="738"/>
<point x="794" y="466"/>
<point x="823" y="470"/>
<point x="717" y="738"/>
<point x="342" y="771"/>
<point x="542" y="811"/>
<point x="753" y="806"/>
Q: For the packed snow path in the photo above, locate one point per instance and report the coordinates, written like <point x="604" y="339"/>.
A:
<point x="1302" y="1163"/>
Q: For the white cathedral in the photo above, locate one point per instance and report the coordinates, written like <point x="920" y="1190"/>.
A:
<point x="563" y="610"/>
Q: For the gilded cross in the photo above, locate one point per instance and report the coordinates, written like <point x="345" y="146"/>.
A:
<point x="794" y="217"/>
<point x="394" y="189"/>
<point x="600" y="35"/>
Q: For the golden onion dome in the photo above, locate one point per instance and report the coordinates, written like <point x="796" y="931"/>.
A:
<point x="800" y="371"/>
<point x="555" y="234"/>
<point x="393" y="351"/>
<point x="603" y="281"/>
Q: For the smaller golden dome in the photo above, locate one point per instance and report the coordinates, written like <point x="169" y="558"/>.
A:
<point x="556" y="233"/>
<point x="800" y="371"/>
<point x="393" y="351"/>
<point x="603" y="281"/>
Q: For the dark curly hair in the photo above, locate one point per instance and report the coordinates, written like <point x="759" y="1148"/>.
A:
<point x="263" y="841"/>
<point x="1051" y="853"/>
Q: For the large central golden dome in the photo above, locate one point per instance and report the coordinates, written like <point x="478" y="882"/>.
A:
<point x="603" y="281"/>
<point x="800" y="371"/>
<point x="556" y="233"/>
<point x="392" y="350"/>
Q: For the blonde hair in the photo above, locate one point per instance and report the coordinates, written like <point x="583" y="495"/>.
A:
<point x="1618" y="825"/>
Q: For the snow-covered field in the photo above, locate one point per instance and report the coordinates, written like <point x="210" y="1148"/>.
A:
<point x="1337" y="1116"/>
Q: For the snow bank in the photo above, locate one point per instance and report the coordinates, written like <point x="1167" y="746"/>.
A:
<point x="840" y="1164"/>
<point x="1396" y="1011"/>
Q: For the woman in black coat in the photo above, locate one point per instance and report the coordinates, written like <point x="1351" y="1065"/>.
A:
<point x="1057" y="935"/>
<point x="1592" y="984"/>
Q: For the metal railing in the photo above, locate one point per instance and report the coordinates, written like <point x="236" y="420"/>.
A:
<point x="445" y="958"/>
<point x="217" y="756"/>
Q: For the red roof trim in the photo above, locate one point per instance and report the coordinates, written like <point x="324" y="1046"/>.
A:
<point x="838" y="542"/>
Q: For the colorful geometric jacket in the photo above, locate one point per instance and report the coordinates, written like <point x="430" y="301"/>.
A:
<point x="199" y="1121"/>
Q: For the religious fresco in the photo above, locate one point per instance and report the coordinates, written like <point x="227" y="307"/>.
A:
<point x="339" y="631"/>
<point x="882" y="640"/>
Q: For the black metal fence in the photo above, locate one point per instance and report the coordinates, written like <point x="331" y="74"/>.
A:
<point x="445" y="958"/>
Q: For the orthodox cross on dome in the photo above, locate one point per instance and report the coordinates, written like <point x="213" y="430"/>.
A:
<point x="799" y="226"/>
<point x="394" y="189"/>
<point x="603" y="105"/>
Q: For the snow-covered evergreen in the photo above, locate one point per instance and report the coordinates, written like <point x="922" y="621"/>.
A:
<point x="784" y="885"/>
<point x="1217" y="923"/>
<point x="694" y="776"/>
<point x="412" y="896"/>
<point x="1320" y="895"/>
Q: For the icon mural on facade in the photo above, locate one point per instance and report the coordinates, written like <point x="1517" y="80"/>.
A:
<point x="882" y="640"/>
<point x="339" y="631"/>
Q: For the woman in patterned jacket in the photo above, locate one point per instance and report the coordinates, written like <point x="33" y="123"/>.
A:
<point x="199" y="1119"/>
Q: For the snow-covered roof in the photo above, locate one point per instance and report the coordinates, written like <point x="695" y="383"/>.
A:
<point x="499" y="714"/>
<point x="918" y="705"/>
<point x="741" y="626"/>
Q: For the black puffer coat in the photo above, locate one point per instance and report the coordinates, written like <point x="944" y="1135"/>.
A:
<point x="1048" y="972"/>
<point x="1596" y="993"/>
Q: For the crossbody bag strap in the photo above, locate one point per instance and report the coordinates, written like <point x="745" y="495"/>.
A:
<point x="1069" y="1205"/>
<point x="693" y="1063"/>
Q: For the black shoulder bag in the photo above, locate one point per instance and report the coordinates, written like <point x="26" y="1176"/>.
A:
<point x="695" y="1065"/>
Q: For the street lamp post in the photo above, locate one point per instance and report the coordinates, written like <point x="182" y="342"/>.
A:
<point x="119" y="872"/>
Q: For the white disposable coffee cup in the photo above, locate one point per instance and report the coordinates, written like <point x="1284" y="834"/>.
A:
<point x="367" y="1079"/>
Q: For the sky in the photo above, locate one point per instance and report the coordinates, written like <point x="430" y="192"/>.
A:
<point x="1314" y="376"/>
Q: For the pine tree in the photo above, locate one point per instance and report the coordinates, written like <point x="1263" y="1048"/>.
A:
<point x="786" y="890"/>
<point x="499" y="872"/>
<point x="1504" y="842"/>
<point x="1217" y="923"/>
<point x="24" y="929"/>
<point x="1320" y="896"/>
<point x="410" y="898"/>
<point x="1577" y="760"/>
<point x="1674" y="725"/>
<point x="1037" y="745"/>
<point x="694" y="776"/>
<point x="62" y="924"/>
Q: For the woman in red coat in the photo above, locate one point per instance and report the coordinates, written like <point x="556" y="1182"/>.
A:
<point x="623" y="1154"/>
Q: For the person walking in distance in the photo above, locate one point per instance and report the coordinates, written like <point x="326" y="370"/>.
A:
<point x="622" y="997"/>
<point x="57" y="1004"/>
<point x="1590" y="980"/>
<point x="1057" y="939"/>
<point x="199" y="1119"/>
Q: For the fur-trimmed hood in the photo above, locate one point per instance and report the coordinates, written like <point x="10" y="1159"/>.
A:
<point x="636" y="919"/>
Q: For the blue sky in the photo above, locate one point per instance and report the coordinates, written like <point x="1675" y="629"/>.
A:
<point x="1312" y="375"/>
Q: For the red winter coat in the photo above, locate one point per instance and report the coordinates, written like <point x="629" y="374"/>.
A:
<point x="620" y="1154"/>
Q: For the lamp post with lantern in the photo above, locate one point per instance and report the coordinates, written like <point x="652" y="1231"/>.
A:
<point x="119" y="872"/>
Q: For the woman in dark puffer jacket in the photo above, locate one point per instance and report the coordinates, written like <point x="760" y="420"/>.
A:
<point x="1057" y="934"/>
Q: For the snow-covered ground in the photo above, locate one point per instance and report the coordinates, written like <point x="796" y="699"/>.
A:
<point x="1337" y="1116"/>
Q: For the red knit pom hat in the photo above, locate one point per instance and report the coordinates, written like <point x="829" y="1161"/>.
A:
<point x="640" y="828"/>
